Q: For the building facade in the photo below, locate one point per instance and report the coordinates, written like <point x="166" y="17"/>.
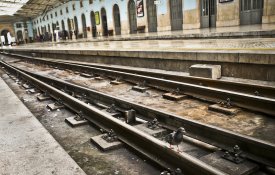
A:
<point x="92" y="18"/>
<point x="23" y="31"/>
<point x="6" y="28"/>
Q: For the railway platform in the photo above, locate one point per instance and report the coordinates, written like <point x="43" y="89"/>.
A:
<point x="247" y="58"/>
<point x="26" y="147"/>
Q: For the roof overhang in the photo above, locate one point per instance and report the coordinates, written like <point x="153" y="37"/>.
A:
<point x="18" y="10"/>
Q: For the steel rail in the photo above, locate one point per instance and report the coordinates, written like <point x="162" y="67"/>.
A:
<point x="262" y="90"/>
<point x="255" y="149"/>
<point x="151" y="147"/>
<point x="248" y="101"/>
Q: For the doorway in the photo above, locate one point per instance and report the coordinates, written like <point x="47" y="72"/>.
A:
<point x="49" y="28"/>
<point x="70" y="33"/>
<point x="93" y="23"/>
<point x="251" y="12"/>
<point x="75" y="27"/>
<point x="84" y="26"/>
<point x="62" y="25"/>
<point x="19" y="34"/>
<point x="116" y="15"/>
<point x="176" y="14"/>
<point x="208" y="13"/>
<point x="4" y="33"/>
<point x="104" y="22"/>
<point x="152" y="16"/>
<point x="132" y="16"/>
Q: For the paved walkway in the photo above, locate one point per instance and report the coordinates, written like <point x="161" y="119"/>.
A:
<point x="237" y="31"/>
<point x="171" y="41"/>
<point x="246" y="30"/>
<point x="26" y="147"/>
<point x="247" y="45"/>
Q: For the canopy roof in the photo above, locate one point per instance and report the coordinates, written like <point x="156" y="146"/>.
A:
<point x="15" y="10"/>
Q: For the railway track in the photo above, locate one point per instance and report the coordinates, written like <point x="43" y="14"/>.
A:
<point x="220" y="138"/>
<point x="249" y="96"/>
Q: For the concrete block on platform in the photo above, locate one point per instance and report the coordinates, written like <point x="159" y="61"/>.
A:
<point x="156" y="132"/>
<point x="140" y="89"/>
<point x="104" y="145"/>
<point x="173" y="96"/>
<point x="55" y="106"/>
<point x="215" y="159"/>
<point x="73" y="122"/>
<point x="224" y="110"/>
<point x="206" y="71"/>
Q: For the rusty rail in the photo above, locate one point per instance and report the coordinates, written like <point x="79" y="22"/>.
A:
<point x="210" y="134"/>
<point x="248" y="88"/>
<point x="140" y="141"/>
<point x="213" y="94"/>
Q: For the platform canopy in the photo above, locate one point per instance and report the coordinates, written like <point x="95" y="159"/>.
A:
<point x="18" y="9"/>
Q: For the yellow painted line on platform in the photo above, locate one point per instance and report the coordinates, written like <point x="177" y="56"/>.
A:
<point x="221" y="49"/>
<point x="155" y="49"/>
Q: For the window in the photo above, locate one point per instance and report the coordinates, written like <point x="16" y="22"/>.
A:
<point x="55" y="13"/>
<point x="90" y="1"/>
<point x="18" y="25"/>
<point x="73" y="6"/>
<point x="81" y="3"/>
<point x="61" y="13"/>
<point x="40" y="20"/>
<point x="47" y="17"/>
<point x="67" y="10"/>
<point x="51" y="15"/>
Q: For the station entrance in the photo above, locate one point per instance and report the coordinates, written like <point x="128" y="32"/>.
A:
<point x="93" y="23"/>
<point x="152" y="16"/>
<point x="251" y="12"/>
<point x="104" y="22"/>
<point x="176" y="14"/>
<point x="132" y="16"/>
<point x="84" y="26"/>
<point x="116" y="15"/>
<point x="208" y="13"/>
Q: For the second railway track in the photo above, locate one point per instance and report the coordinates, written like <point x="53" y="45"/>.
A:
<point x="240" y="94"/>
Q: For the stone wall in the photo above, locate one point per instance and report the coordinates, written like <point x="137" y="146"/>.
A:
<point x="228" y="14"/>
<point x="7" y="26"/>
<point x="191" y="15"/>
<point x="269" y="11"/>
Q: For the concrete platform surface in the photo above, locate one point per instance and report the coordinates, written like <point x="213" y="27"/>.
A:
<point x="240" y="45"/>
<point x="246" y="31"/>
<point x="26" y="147"/>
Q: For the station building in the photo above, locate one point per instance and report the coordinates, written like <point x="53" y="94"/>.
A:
<point x="93" y="18"/>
